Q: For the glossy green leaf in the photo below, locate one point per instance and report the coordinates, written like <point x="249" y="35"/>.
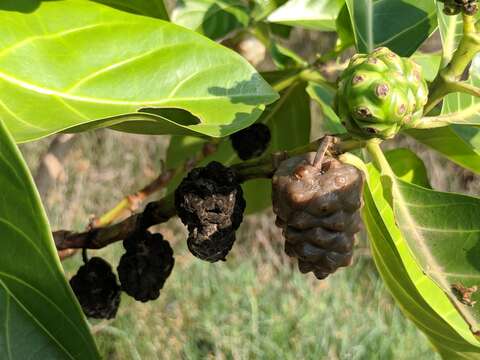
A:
<point x="430" y="64"/>
<point x="443" y="231"/>
<point x="346" y="37"/>
<point x="262" y="8"/>
<point x="464" y="103"/>
<point x="212" y="18"/>
<point x="401" y="26"/>
<point x="312" y="14"/>
<point x="39" y="315"/>
<point x="324" y="97"/>
<point x="460" y="144"/>
<point x="289" y="123"/>
<point x="451" y="31"/>
<point x="408" y="167"/>
<point x="421" y="299"/>
<point x="153" y="8"/>
<point x="284" y="58"/>
<point x="71" y="62"/>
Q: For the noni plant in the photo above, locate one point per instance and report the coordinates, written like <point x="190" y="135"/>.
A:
<point x="241" y="141"/>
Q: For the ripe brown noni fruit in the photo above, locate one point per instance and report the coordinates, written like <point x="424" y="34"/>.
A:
<point x="145" y="266"/>
<point x="318" y="209"/>
<point x="96" y="289"/>
<point x="210" y="202"/>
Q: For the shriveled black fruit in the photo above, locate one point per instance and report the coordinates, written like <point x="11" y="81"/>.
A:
<point x="318" y="210"/>
<point x="252" y="141"/>
<point x="454" y="7"/>
<point x="210" y="202"/>
<point x="145" y="266"/>
<point x="96" y="288"/>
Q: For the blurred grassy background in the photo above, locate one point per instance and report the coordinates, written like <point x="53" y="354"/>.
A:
<point x="254" y="306"/>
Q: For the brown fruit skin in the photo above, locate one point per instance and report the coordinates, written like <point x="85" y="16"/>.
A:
<point x="318" y="210"/>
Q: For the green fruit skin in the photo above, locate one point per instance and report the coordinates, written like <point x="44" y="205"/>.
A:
<point x="380" y="93"/>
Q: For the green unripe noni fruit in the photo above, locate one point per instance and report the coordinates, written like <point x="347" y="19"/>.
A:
<point x="380" y="93"/>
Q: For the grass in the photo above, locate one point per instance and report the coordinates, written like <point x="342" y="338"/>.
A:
<point x="254" y="306"/>
<point x="250" y="308"/>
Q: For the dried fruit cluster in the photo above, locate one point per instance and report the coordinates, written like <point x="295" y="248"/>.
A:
<point x="142" y="270"/>
<point x="317" y="206"/>
<point x="145" y="266"/>
<point x="210" y="202"/>
<point x="455" y="7"/>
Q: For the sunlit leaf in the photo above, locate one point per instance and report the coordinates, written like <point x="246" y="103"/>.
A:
<point x="312" y="14"/>
<point x="153" y="8"/>
<point x="71" y="62"/>
<point x="401" y="26"/>
<point x="443" y="231"/>
<point x="212" y="18"/>
<point x="420" y="298"/>
<point x="39" y="315"/>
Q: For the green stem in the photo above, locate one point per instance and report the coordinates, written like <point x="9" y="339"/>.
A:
<point x="447" y="79"/>
<point x="312" y="75"/>
<point x="378" y="158"/>
<point x="264" y="167"/>
<point x="459" y="117"/>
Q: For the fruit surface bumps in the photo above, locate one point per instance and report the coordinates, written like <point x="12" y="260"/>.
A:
<point x="96" y="288"/>
<point x="380" y="93"/>
<point x="210" y="202"/>
<point x="318" y="211"/>
<point x="145" y="266"/>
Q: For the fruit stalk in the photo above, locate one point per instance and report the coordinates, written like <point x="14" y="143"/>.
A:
<point x="158" y="212"/>
<point x="447" y="80"/>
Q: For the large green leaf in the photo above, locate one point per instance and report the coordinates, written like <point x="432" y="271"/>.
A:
<point x="408" y="167"/>
<point x="70" y="62"/>
<point x="262" y="8"/>
<point x="464" y="103"/>
<point x="212" y="18"/>
<point x="421" y="299"/>
<point x="443" y="231"/>
<point x="289" y="123"/>
<point x="459" y="143"/>
<point x="430" y="64"/>
<point x="401" y="26"/>
<point x="312" y="14"/>
<point x="451" y="31"/>
<point x="153" y="8"/>
<point x="324" y="97"/>
<point x="39" y="315"/>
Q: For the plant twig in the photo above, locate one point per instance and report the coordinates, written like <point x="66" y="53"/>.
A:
<point x="155" y="212"/>
<point x="131" y="203"/>
<point x="447" y="80"/>
<point x="459" y="117"/>
<point x="161" y="211"/>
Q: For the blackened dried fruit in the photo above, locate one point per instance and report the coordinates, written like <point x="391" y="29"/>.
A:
<point x="210" y="202"/>
<point x="252" y="141"/>
<point x="145" y="266"/>
<point x="317" y="208"/>
<point x="454" y="7"/>
<point x="96" y="288"/>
